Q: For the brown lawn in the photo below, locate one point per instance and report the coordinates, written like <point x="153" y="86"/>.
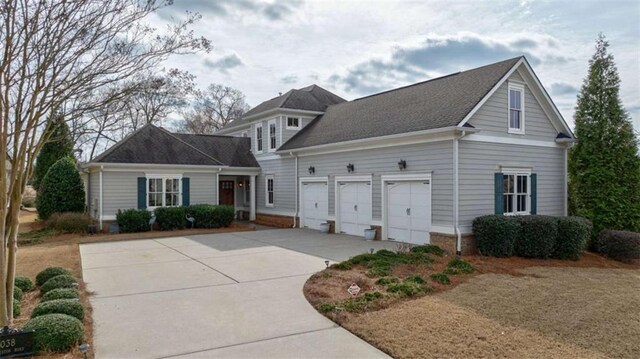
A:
<point x="509" y="308"/>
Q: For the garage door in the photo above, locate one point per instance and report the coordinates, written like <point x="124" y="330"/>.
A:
<point x="355" y="207"/>
<point x="409" y="211"/>
<point x="315" y="204"/>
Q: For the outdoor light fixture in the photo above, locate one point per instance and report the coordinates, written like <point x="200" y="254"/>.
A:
<point x="402" y="164"/>
<point x="312" y="170"/>
<point x="326" y="263"/>
<point x="84" y="348"/>
<point x="350" y="167"/>
<point x="371" y="250"/>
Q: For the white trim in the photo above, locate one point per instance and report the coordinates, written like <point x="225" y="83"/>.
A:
<point x="110" y="217"/>
<point x="565" y="183"/>
<point x="286" y="119"/>
<point x="283" y="111"/>
<point x="301" y="182"/>
<point x="336" y="188"/>
<point x="268" y="177"/>
<point x="510" y="140"/>
<point x="163" y="175"/>
<point x="255" y="131"/>
<point x="252" y="195"/>
<point x="235" y="184"/>
<point x="148" y="167"/>
<point x="515" y="171"/>
<point x="164" y="189"/>
<point x="443" y="229"/>
<point x="404" y="177"/>
<point x="273" y="212"/>
<point x="268" y="156"/>
<point x="101" y="196"/>
<point x="314" y="179"/>
<point x="516" y="87"/>
<point x="273" y="123"/>
<point x="217" y="188"/>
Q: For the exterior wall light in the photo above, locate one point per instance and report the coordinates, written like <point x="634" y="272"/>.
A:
<point x="402" y="164"/>
<point x="312" y="170"/>
<point x="350" y="167"/>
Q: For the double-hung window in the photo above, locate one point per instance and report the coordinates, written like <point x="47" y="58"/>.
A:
<point x="516" y="108"/>
<point x="259" y="138"/>
<point x="516" y="193"/>
<point x="269" y="193"/>
<point x="272" y="135"/>
<point x="163" y="191"/>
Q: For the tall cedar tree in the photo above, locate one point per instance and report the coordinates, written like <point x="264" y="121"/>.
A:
<point x="59" y="145"/>
<point x="62" y="190"/>
<point x="604" y="166"/>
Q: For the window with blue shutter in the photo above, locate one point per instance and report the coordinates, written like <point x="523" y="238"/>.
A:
<point x="185" y="191"/>
<point x="498" y="192"/>
<point x="515" y="193"/>
<point x="142" y="192"/>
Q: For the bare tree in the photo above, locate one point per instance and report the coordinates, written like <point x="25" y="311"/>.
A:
<point x="214" y="109"/>
<point x="57" y="52"/>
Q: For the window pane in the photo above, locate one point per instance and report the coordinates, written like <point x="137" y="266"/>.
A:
<point x="522" y="184"/>
<point x="270" y="197"/>
<point x="514" y="119"/>
<point x="508" y="203"/>
<point x="522" y="203"/>
<point x="507" y="184"/>
<point x="515" y="99"/>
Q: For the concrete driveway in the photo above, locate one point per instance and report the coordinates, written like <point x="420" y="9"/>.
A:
<point x="235" y="295"/>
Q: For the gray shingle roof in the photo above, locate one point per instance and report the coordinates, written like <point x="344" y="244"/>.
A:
<point x="310" y="98"/>
<point x="437" y="103"/>
<point x="154" y="145"/>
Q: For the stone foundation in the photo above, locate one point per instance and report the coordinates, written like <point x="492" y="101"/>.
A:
<point x="274" y="220"/>
<point x="448" y="242"/>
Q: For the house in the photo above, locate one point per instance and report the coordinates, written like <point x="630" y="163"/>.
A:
<point x="417" y="163"/>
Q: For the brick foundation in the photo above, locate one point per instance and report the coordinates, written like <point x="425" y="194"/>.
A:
<point x="448" y="242"/>
<point x="378" y="236"/>
<point x="274" y="220"/>
<point x="332" y="226"/>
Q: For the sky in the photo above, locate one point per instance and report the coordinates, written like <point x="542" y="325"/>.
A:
<point x="357" y="48"/>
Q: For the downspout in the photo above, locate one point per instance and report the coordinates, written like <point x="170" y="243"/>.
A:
<point x="566" y="178"/>
<point x="456" y="195"/>
<point x="88" y="195"/>
<point x="295" y="216"/>
<point x="101" y="187"/>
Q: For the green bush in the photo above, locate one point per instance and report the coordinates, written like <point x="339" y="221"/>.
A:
<point x="387" y="280"/>
<point x="496" y="235"/>
<point x="56" y="332"/>
<point x="61" y="293"/>
<point x="204" y="215"/>
<point x="360" y="303"/>
<point x="170" y="218"/>
<point x="69" y="222"/>
<point x="408" y="289"/>
<point x="326" y="307"/>
<point x="441" y="278"/>
<point x="61" y="190"/>
<point x="620" y="245"/>
<point x="17" y="294"/>
<point x="346" y="265"/>
<point x="70" y="307"/>
<point x="24" y="283"/>
<point x="458" y="266"/>
<point x="414" y="279"/>
<point x="17" y="309"/>
<point x="49" y="273"/>
<point x="538" y="236"/>
<point x="573" y="236"/>
<point x="428" y="249"/>
<point x="61" y="281"/>
<point x="133" y="220"/>
<point x="223" y="215"/>
<point x="379" y="269"/>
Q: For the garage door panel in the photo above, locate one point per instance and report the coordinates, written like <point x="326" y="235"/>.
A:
<point x="409" y="211"/>
<point x="315" y="204"/>
<point x="355" y="207"/>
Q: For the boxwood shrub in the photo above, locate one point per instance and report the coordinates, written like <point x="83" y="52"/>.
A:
<point x="573" y="235"/>
<point x="61" y="281"/>
<point x="170" y="218"/>
<point x="17" y="294"/>
<point x="17" y="309"/>
<point x="203" y="214"/>
<point x="70" y="307"/>
<point x="133" y="220"/>
<point x="223" y="215"/>
<point x="56" y="332"/>
<point x="620" y="245"/>
<point x="60" y="293"/>
<point x="24" y="283"/>
<point x="537" y="237"/>
<point x="496" y="235"/>
<point x="49" y="273"/>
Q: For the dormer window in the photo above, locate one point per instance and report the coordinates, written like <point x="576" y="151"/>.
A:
<point x="293" y="123"/>
<point x="516" y="108"/>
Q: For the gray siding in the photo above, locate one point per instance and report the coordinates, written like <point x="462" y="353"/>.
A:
<point x="480" y="160"/>
<point x="120" y="191"/>
<point x="435" y="157"/>
<point x="202" y="187"/>
<point x="287" y="134"/>
<point x="283" y="170"/>
<point x="492" y="117"/>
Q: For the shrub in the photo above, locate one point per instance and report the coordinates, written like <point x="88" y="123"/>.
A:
<point x="379" y="269"/>
<point x="49" y="273"/>
<point x="56" y="332"/>
<point x="61" y="190"/>
<point x="428" y="249"/>
<point x="441" y="278"/>
<point x="414" y="279"/>
<point x="387" y="280"/>
<point x="61" y="281"/>
<point x="204" y="215"/>
<point x="496" y="235"/>
<point x="133" y="220"/>
<point x="326" y="307"/>
<point x="24" y="283"/>
<point x="70" y="307"/>
<point x="69" y="222"/>
<point x="408" y="289"/>
<point x="573" y="235"/>
<point x="223" y="215"/>
<point x="362" y="302"/>
<point x="17" y="309"/>
<point x="538" y="236"/>
<point x="346" y="265"/>
<point x="620" y="245"/>
<point x="60" y="293"/>
<point x="170" y="218"/>
<point x="17" y="294"/>
<point x="458" y="266"/>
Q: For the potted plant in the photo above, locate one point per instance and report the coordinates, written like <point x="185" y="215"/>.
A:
<point x="324" y="227"/>
<point x="370" y="234"/>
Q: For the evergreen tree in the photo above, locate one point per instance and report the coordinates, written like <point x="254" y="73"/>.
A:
<point x="61" y="190"/>
<point x="59" y="145"/>
<point x="604" y="166"/>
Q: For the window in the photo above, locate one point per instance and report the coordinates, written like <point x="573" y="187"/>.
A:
<point x="293" y="123"/>
<point x="163" y="192"/>
<point x="272" y="135"/>
<point x="515" y="188"/>
<point x="259" y="138"/>
<point x="516" y="109"/>
<point x="269" y="191"/>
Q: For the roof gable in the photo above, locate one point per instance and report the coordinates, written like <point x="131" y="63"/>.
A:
<point x="232" y="151"/>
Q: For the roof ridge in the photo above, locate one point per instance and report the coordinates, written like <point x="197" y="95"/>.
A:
<point x="190" y="145"/>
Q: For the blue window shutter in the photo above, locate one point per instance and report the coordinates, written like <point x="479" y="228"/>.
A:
<point x="142" y="192"/>
<point x="498" y="194"/>
<point x="185" y="191"/>
<point x="534" y="194"/>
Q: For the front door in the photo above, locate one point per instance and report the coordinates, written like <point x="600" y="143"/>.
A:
<point x="226" y="192"/>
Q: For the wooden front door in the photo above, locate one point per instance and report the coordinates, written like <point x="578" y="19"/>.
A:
<point x="226" y="192"/>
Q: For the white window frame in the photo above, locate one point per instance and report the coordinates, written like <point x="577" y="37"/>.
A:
<point x="163" y="179"/>
<point x="259" y="139"/>
<point x="266" y="190"/>
<point x="272" y="140"/>
<point x="297" y="127"/>
<point x="520" y="88"/>
<point x="518" y="172"/>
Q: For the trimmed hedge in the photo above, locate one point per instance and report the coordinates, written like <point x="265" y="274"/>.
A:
<point x="170" y="218"/>
<point x="133" y="220"/>
<point x="49" y="273"/>
<point x="496" y="235"/>
<point x="60" y="293"/>
<point x="573" y="235"/>
<point x="538" y="235"/>
<point x="56" y="332"/>
<point x="622" y="246"/>
<point x="61" y="281"/>
<point x="17" y="294"/>
<point x="24" y="283"/>
<point x="223" y="215"/>
<point x="203" y="214"/>
<point x="70" y="307"/>
<point x="69" y="222"/>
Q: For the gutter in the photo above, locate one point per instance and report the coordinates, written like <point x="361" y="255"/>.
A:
<point x="295" y="216"/>
<point x="456" y="193"/>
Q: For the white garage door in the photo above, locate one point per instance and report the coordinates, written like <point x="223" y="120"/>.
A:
<point x="355" y="207"/>
<point x="315" y="204"/>
<point x="409" y="211"/>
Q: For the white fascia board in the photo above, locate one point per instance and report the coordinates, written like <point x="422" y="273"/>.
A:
<point x="282" y="110"/>
<point x="510" y="140"/>
<point x="147" y="167"/>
